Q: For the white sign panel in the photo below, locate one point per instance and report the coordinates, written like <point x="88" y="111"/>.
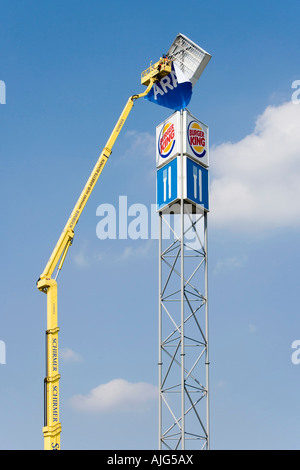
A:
<point x="168" y="139"/>
<point x="195" y="144"/>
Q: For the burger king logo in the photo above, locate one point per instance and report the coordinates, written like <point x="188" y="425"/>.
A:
<point x="166" y="140"/>
<point x="197" y="139"/>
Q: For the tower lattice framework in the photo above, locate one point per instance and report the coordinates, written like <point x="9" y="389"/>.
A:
<point x="183" y="328"/>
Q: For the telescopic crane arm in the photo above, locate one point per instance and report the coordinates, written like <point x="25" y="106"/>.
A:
<point x="60" y="251"/>
<point x="52" y="425"/>
<point x="48" y="285"/>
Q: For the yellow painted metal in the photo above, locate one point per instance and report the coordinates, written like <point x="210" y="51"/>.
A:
<point x="52" y="427"/>
<point x="156" y="71"/>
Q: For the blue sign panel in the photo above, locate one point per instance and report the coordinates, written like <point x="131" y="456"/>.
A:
<point x="166" y="184"/>
<point x="173" y="91"/>
<point x="197" y="183"/>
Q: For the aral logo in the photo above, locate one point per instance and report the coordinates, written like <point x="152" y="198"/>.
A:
<point x="196" y="138"/>
<point x="166" y="140"/>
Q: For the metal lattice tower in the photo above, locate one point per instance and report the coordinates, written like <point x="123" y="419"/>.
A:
<point x="183" y="331"/>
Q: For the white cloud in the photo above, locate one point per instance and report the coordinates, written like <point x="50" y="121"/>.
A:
<point x="256" y="181"/>
<point x="252" y="328"/>
<point x="68" y="355"/>
<point x="230" y="263"/>
<point x="81" y="260"/>
<point x="140" y="251"/>
<point x="116" y="395"/>
<point x="85" y="258"/>
<point x="140" y="144"/>
<point x="81" y="256"/>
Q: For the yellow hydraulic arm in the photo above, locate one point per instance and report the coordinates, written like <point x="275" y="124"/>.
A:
<point x="48" y="285"/>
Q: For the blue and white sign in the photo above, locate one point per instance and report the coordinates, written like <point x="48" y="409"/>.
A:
<point x="192" y="176"/>
<point x="197" y="183"/>
<point x="166" y="184"/>
<point x="172" y="91"/>
<point x="182" y="162"/>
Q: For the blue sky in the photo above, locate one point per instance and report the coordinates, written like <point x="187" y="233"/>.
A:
<point x="69" y="68"/>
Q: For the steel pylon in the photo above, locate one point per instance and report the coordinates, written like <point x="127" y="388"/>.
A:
<point x="183" y="328"/>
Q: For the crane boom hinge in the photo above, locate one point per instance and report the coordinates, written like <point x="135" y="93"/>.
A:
<point x="107" y="151"/>
<point x="52" y="331"/>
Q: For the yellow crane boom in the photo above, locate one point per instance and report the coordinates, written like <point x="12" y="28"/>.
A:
<point x="48" y="285"/>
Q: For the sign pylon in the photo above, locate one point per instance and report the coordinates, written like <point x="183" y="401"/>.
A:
<point x="183" y="295"/>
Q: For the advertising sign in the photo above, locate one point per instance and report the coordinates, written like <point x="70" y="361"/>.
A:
<point x="197" y="183"/>
<point x="182" y="161"/>
<point x="168" y="139"/>
<point x="172" y="91"/>
<point x="195" y="143"/>
<point x="195" y="139"/>
<point x="167" y="184"/>
<point x="192" y="176"/>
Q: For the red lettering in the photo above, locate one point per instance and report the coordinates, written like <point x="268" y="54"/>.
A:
<point x="167" y="137"/>
<point x="196" y="132"/>
<point x="197" y="141"/>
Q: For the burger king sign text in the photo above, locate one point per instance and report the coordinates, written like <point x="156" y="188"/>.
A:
<point x="196" y="143"/>
<point x="194" y="139"/>
<point x="167" y="139"/>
